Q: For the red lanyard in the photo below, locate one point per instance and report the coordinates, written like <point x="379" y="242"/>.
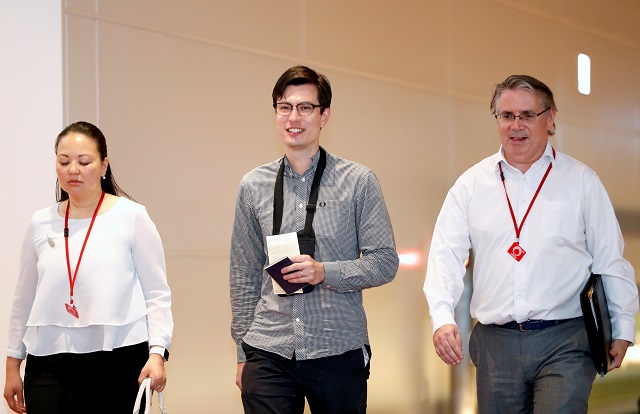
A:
<point x="513" y="216"/>
<point x="71" y="308"/>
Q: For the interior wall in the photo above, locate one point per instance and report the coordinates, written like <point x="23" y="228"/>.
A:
<point x="182" y="91"/>
<point x="31" y="117"/>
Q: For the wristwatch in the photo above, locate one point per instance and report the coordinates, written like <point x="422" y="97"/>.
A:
<point x="160" y="351"/>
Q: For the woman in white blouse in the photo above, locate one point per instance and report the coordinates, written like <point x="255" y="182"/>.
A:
<point x="92" y="307"/>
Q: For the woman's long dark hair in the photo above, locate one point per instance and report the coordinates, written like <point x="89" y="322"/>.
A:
<point x="91" y="131"/>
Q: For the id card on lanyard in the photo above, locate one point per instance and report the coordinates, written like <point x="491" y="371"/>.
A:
<point x="516" y="251"/>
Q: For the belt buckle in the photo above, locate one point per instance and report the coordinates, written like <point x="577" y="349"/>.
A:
<point x="522" y="329"/>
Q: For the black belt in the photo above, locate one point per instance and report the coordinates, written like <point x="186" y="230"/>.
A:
<point x="532" y="325"/>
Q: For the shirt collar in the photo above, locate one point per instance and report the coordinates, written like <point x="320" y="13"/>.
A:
<point x="547" y="156"/>
<point x="310" y="171"/>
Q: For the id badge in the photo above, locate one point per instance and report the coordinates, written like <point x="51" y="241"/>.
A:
<point x="516" y="251"/>
<point x="73" y="311"/>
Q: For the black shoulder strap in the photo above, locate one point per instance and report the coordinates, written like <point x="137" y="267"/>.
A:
<point x="278" y="200"/>
<point x="278" y="196"/>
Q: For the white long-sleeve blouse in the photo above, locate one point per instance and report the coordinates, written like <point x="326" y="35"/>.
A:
<point x="121" y="290"/>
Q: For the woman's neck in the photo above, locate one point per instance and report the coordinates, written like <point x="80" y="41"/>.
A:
<point x="85" y="206"/>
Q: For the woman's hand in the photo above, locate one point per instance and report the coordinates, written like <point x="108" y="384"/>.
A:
<point x="154" y="368"/>
<point x="13" y="386"/>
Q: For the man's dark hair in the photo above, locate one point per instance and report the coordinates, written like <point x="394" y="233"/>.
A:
<point x="302" y="75"/>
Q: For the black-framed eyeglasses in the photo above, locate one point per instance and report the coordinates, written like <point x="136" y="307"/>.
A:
<point x="303" y="108"/>
<point x="527" y="118"/>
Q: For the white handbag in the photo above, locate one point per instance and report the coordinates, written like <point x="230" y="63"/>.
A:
<point x="145" y="389"/>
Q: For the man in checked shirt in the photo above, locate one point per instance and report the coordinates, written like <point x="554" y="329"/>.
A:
<point x="312" y="344"/>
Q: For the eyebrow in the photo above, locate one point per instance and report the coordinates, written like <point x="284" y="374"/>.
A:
<point x="299" y="103"/>
<point x="526" y="111"/>
<point x="79" y="156"/>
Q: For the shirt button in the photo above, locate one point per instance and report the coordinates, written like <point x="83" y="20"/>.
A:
<point x="297" y="319"/>
<point x="303" y="179"/>
<point x="301" y="205"/>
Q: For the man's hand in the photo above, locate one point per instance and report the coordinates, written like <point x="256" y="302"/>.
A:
<point x="304" y="270"/>
<point x="448" y="344"/>
<point x="618" y="351"/>
<point x="239" y="375"/>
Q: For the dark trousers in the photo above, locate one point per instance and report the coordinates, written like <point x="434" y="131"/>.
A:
<point x="272" y="384"/>
<point x="542" y="371"/>
<point x="98" y="382"/>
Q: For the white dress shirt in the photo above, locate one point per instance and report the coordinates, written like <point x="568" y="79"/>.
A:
<point x="570" y="231"/>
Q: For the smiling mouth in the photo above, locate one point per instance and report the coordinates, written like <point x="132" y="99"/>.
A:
<point x="518" y="138"/>
<point x="295" y="130"/>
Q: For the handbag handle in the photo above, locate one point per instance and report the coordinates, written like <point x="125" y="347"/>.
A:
<point x="145" y="389"/>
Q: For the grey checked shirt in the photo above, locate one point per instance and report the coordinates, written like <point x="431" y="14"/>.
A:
<point x="354" y="241"/>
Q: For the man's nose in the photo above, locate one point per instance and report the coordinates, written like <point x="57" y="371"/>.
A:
<point x="294" y="114"/>
<point x="517" y="123"/>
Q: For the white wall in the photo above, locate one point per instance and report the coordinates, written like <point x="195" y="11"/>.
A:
<point x="182" y="91"/>
<point x="31" y="117"/>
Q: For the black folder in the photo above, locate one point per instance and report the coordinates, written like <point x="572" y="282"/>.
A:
<point x="597" y="321"/>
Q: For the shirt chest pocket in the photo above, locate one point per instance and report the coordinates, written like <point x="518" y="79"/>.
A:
<point x="560" y="220"/>
<point x="331" y="219"/>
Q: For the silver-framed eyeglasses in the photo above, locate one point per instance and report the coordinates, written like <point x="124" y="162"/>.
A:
<point x="303" y="108"/>
<point x="525" y="118"/>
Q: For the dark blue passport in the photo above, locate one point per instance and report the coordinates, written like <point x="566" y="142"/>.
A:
<point x="275" y="270"/>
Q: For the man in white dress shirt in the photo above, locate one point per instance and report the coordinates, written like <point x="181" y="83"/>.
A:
<point x="538" y="223"/>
